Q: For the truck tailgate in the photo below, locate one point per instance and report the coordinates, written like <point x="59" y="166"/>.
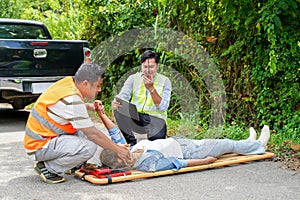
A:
<point x="32" y="58"/>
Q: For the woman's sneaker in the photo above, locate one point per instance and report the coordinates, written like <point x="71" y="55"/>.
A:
<point x="252" y="135"/>
<point x="47" y="176"/>
<point x="264" y="136"/>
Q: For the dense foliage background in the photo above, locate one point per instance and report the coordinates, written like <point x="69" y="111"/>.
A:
<point x="255" y="44"/>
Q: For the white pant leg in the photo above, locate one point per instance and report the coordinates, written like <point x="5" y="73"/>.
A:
<point x="217" y="147"/>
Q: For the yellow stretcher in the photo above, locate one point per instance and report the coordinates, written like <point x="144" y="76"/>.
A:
<point x="225" y="160"/>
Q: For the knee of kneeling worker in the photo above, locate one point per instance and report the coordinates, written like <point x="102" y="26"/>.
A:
<point x="157" y="136"/>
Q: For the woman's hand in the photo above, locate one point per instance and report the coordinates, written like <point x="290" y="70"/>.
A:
<point x="205" y="161"/>
<point x="209" y="160"/>
<point x="99" y="107"/>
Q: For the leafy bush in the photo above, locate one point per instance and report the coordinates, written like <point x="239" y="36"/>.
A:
<point x="254" y="44"/>
<point x="11" y="8"/>
<point x="64" y="19"/>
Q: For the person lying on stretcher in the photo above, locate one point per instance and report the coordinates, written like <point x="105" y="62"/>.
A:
<point x="177" y="152"/>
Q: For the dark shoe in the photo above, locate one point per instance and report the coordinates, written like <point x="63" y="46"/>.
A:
<point x="47" y="176"/>
<point x="72" y="171"/>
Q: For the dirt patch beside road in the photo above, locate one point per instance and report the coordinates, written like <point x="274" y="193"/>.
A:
<point x="288" y="158"/>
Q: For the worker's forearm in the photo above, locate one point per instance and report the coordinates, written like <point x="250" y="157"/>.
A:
<point x="100" y="139"/>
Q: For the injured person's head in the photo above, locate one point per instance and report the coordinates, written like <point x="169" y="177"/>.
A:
<point x="110" y="159"/>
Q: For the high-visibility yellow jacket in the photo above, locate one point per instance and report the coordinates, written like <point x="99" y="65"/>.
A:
<point x="143" y="102"/>
<point x="40" y="128"/>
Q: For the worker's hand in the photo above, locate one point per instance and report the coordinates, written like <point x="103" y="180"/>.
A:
<point x="124" y="154"/>
<point x="127" y="146"/>
<point x="209" y="160"/>
<point x="115" y="104"/>
<point x="148" y="81"/>
<point x="99" y="107"/>
<point x="90" y="106"/>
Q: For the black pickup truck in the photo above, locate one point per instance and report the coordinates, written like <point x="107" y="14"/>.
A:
<point x="30" y="60"/>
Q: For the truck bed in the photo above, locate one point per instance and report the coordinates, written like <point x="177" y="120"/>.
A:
<point x="30" y="60"/>
<point x="27" y="58"/>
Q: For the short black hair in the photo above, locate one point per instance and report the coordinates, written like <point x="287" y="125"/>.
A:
<point x="150" y="54"/>
<point x="90" y="72"/>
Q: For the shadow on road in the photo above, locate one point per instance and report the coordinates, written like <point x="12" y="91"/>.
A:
<point x="12" y="120"/>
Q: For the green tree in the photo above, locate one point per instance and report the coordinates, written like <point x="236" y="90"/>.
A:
<point x="64" y="19"/>
<point x="254" y="43"/>
<point x="12" y="8"/>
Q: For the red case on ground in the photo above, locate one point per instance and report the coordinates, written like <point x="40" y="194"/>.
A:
<point x="106" y="172"/>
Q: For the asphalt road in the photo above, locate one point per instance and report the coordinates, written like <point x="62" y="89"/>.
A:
<point x="255" y="180"/>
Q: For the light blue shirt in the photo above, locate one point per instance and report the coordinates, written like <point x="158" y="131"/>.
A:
<point x="151" y="160"/>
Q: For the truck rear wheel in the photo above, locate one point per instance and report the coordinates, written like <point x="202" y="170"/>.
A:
<point x="19" y="104"/>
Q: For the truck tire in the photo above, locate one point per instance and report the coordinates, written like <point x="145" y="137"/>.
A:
<point x="18" y="104"/>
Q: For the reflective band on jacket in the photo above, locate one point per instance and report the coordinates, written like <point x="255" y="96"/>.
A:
<point x="40" y="128"/>
<point x="45" y="123"/>
<point x="33" y="135"/>
<point x="143" y="102"/>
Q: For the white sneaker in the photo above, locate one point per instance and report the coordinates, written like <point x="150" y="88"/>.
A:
<point x="252" y="135"/>
<point x="264" y="136"/>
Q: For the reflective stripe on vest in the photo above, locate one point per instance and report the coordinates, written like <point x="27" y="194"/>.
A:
<point x="143" y="102"/>
<point x="40" y="128"/>
<point x="33" y="135"/>
<point x="46" y="124"/>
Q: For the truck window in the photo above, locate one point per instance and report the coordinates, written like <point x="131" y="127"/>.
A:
<point x="17" y="31"/>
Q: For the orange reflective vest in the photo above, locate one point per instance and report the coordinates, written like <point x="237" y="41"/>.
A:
<point x="40" y="128"/>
